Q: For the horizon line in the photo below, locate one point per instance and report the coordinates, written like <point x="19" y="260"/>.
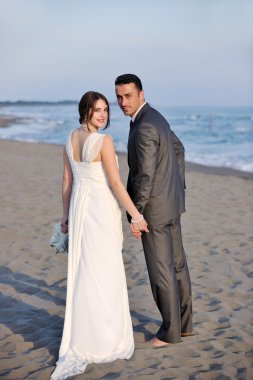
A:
<point x="73" y="101"/>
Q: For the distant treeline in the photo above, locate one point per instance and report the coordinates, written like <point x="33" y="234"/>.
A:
<point x="39" y="103"/>
<point x="36" y="102"/>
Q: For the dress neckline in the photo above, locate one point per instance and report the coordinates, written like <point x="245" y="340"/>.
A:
<point x="88" y="138"/>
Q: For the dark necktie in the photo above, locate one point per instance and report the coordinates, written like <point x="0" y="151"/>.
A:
<point x="131" y="123"/>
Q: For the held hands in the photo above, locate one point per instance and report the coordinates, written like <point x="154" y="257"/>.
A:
<point x="138" y="226"/>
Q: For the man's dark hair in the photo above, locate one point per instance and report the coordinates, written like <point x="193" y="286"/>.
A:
<point x="129" y="78"/>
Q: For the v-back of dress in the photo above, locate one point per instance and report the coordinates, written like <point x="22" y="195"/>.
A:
<point x="97" y="326"/>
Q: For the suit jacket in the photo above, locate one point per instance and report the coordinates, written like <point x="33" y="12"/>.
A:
<point x="156" y="168"/>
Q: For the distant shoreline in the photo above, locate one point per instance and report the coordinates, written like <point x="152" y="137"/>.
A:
<point x="7" y="121"/>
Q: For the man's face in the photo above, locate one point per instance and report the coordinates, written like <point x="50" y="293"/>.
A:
<point x="129" y="98"/>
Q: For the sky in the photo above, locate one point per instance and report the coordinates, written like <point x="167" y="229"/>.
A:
<point x="186" y="52"/>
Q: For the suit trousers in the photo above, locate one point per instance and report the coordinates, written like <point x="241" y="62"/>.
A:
<point x="169" y="279"/>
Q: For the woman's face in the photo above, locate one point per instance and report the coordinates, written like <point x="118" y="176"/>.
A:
<point x="100" y="114"/>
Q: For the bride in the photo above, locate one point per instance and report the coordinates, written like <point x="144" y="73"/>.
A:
<point x="97" y="325"/>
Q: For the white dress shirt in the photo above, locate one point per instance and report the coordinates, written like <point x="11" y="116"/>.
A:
<point x="134" y="116"/>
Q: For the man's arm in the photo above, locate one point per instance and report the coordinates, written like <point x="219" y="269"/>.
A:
<point x="179" y="150"/>
<point x="146" y="144"/>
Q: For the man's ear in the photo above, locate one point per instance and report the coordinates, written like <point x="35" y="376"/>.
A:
<point x="142" y="95"/>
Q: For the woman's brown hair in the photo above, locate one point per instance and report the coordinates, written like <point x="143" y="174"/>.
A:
<point x="87" y="104"/>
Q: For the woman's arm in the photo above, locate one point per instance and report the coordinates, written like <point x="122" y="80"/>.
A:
<point x="112" y="172"/>
<point x="66" y="191"/>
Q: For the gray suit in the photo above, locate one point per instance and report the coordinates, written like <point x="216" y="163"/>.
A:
<point x="156" y="186"/>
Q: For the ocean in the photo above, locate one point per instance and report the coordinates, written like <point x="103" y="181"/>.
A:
<point x="213" y="136"/>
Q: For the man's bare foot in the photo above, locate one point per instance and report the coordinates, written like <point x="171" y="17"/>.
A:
<point x="158" y="343"/>
<point x="185" y="334"/>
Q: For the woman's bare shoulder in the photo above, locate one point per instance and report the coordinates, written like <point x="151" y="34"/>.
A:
<point x="75" y="132"/>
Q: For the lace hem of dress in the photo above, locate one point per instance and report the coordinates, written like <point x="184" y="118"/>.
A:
<point x="68" y="366"/>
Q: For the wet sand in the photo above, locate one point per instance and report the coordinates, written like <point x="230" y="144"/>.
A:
<point x="7" y="121"/>
<point x="218" y="239"/>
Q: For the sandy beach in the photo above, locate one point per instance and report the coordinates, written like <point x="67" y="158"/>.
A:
<point x="218" y="239"/>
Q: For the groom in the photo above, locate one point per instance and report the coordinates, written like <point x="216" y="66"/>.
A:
<point x="156" y="186"/>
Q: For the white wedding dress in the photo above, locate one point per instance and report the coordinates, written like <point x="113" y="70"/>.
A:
<point x="97" y="326"/>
